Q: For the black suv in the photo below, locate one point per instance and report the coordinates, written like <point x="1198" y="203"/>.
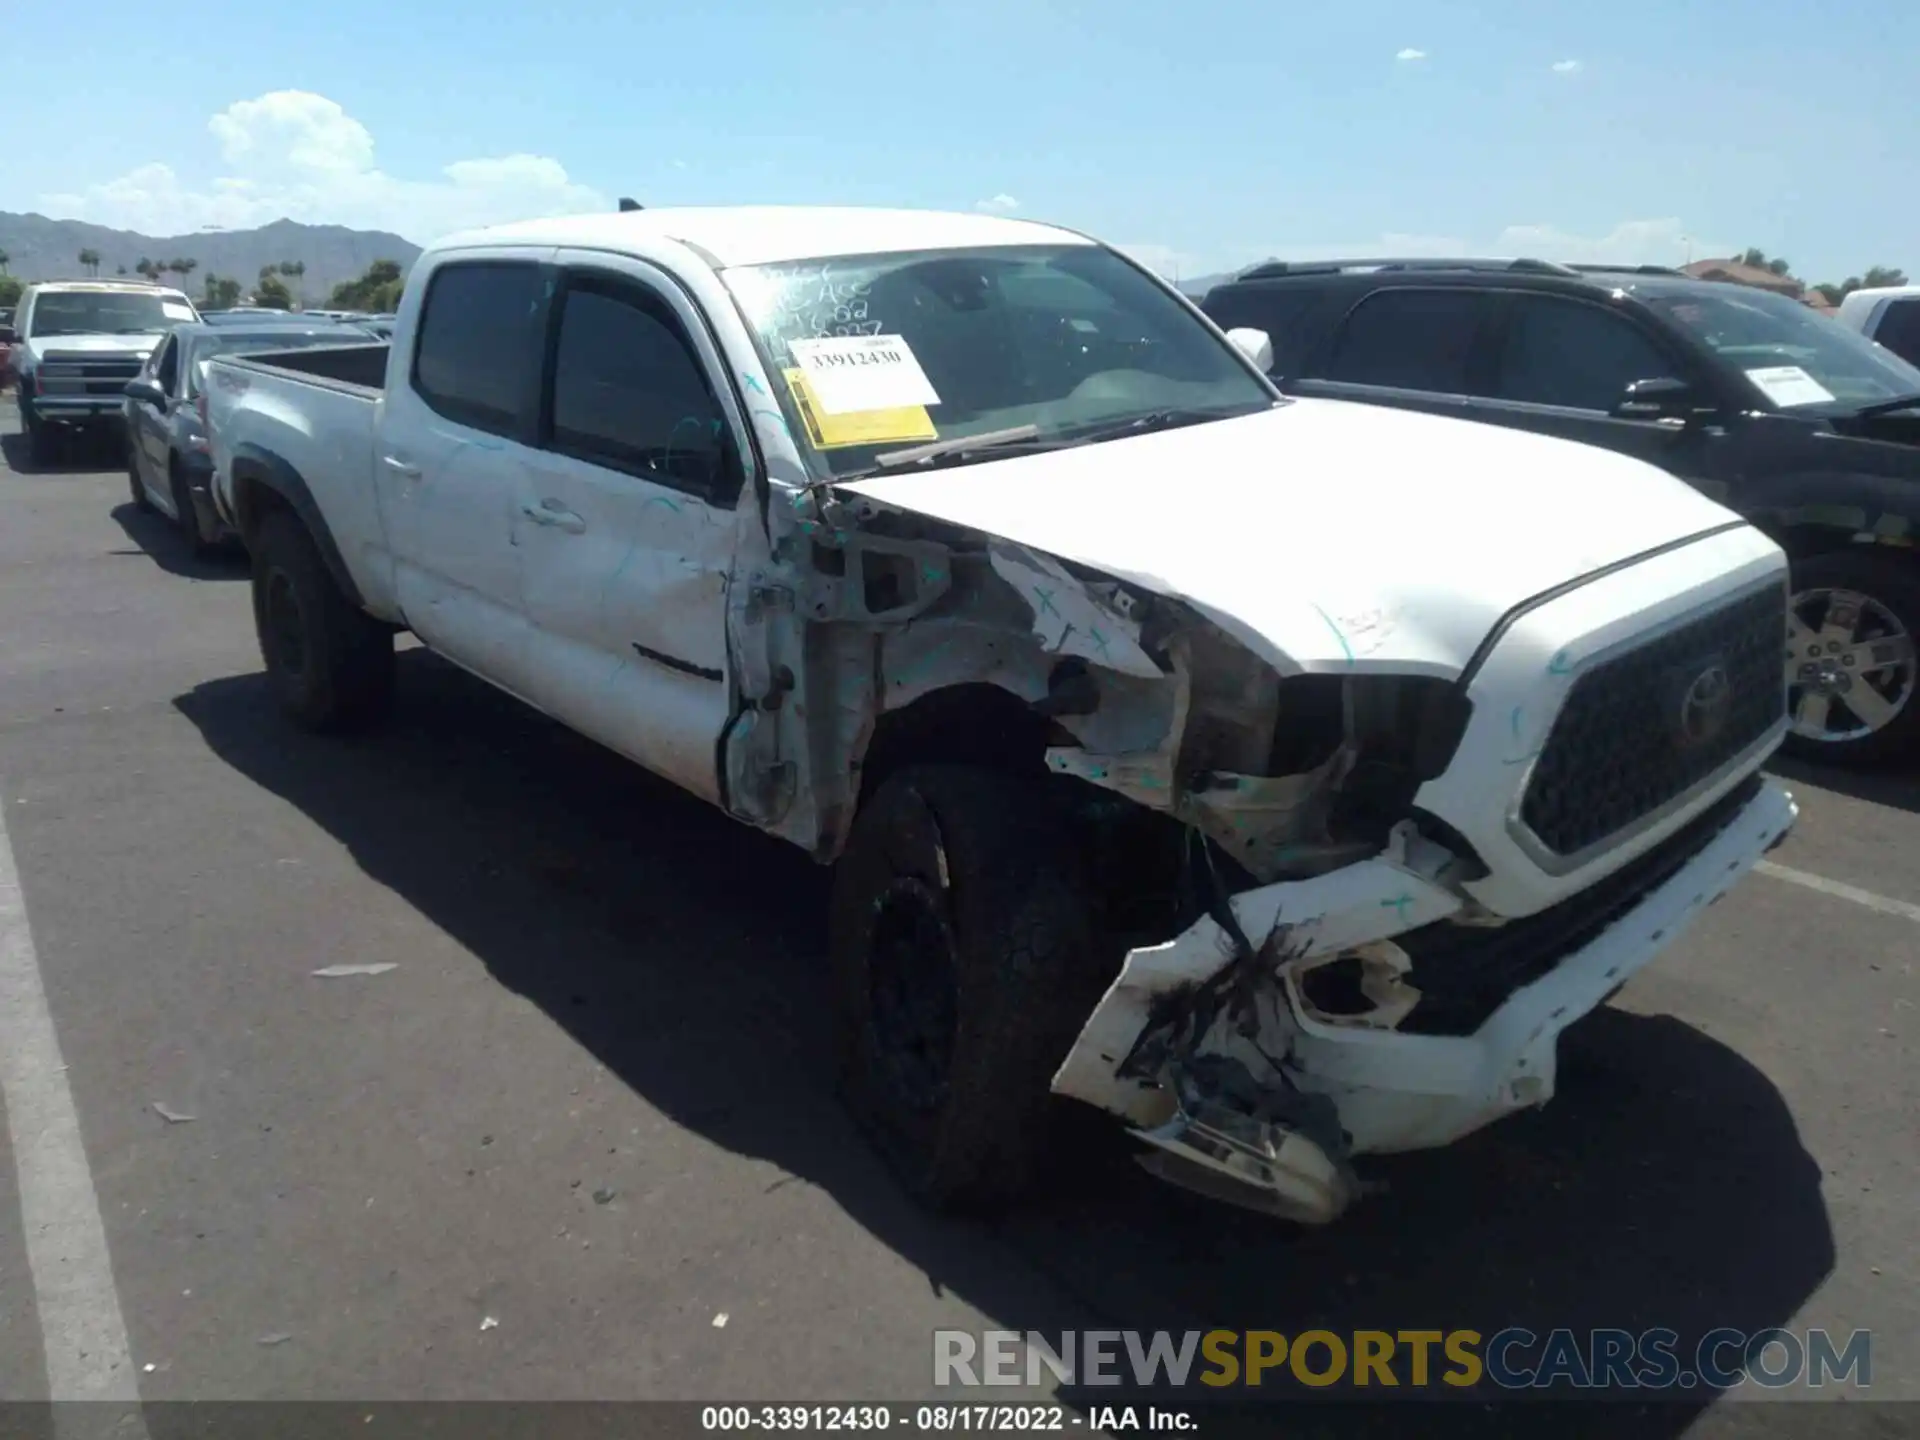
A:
<point x="1803" y="426"/>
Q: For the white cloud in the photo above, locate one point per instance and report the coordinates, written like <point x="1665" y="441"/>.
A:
<point x="296" y="154"/>
<point x="1567" y="67"/>
<point x="1001" y="204"/>
<point x="1411" y="54"/>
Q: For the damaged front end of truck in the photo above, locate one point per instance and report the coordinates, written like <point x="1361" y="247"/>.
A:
<point x="1304" y="971"/>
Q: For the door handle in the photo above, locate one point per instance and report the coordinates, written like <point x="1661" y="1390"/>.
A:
<point x="404" y="469"/>
<point x="550" y="512"/>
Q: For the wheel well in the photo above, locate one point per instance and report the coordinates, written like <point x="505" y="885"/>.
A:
<point x="1804" y="542"/>
<point x="253" y="501"/>
<point x="976" y="724"/>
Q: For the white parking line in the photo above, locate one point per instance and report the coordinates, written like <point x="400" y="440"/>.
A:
<point x="83" y="1331"/>
<point x="1904" y="909"/>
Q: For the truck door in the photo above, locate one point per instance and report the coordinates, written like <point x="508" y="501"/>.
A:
<point x="449" y="448"/>
<point x="624" y="520"/>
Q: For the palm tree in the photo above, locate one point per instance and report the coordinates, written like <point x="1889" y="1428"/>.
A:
<point x="296" y="270"/>
<point x="5" y="260"/>
<point x="90" y="261"/>
<point x="183" y="268"/>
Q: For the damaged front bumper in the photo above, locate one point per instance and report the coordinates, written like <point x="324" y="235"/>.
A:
<point x="1215" y="1049"/>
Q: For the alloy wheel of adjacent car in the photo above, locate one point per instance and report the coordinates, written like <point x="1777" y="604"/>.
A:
<point x="1851" y="669"/>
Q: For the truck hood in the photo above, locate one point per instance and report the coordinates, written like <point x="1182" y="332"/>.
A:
<point x="1324" y="534"/>
<point x="92" y="345"/>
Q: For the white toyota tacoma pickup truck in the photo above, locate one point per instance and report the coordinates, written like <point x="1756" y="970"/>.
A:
<point x="1282" y="776"/>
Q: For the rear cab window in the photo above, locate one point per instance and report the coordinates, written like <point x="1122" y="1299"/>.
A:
<point x="1899" y="328"/>
<point x="476" y="354"/>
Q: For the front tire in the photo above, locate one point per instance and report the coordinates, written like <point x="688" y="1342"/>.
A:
<point x="1850" y="659"/>
<point x="330" y="663"/>
<point x="966" y="960"/>
<point x="40" y="436"/>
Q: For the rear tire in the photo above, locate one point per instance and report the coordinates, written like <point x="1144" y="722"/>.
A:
<point x="139" y="490"/>
<point x="189" y="518"/>
<point x="966" y="961"/>
<point x="1881" y="593"/>
<point x="330" y="663"/>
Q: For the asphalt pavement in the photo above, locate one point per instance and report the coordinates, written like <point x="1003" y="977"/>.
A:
<point x="579" y="1141"/>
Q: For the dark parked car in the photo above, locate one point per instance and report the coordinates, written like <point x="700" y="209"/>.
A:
<point x="169" y="467"/>
<point x="1801" y="425"/>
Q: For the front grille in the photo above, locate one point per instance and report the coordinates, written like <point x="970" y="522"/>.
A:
<point x="87" y="375"/>
<point x="1643" y="728"/>
<point x="1464" y="972"/>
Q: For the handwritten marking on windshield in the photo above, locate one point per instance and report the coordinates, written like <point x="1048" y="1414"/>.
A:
<point x="1560" y="664"/>
<point x="1047" y="606"/>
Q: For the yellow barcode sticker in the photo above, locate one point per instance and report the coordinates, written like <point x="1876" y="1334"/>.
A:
<point x="857" y="427"/>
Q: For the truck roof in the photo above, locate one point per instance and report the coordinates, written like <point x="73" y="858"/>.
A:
<point x="1854" y="308"/>
<point x="759" y="234"/>
<point x="143" y="285"/>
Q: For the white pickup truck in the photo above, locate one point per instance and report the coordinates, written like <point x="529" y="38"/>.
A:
<point x="1283" y="776"/>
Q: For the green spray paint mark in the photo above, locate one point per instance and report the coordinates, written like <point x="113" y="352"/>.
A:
<point x="1338" y="634"/>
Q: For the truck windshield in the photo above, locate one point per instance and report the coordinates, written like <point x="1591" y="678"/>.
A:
<point x="1796" y="357"/>
<point x="105" y="312"/>
<point x="1062" y="343"/>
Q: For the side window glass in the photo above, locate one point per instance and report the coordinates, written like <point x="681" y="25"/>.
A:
<point x="1561" y="352"/>
<point x="1899" y="329"/>
<point x="1282" y="313"/>
<point x="629" y="393"/>
<point x="1410" y="340"/>
<point x="478" y="350"/>
<point x="168" y="368"/>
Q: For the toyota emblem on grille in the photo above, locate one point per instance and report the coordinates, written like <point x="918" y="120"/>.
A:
<point x="1704" y="707"/>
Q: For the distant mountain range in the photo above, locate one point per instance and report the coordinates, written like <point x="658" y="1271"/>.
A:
<point x="41" y="249"/>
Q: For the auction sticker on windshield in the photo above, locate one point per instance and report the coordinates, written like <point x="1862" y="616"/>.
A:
<point x="891" y="426"/>
<point x="851" y="373"/>
<point x="1790" y="385"/>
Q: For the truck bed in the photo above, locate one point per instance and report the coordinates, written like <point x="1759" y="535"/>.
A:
<point x="349" y="367"/>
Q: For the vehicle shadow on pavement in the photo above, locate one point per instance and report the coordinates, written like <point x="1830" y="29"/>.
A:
<point x="161" y="541"/>
<point x="1666" y="1186"/>
<point x="1896" y="789"/>
<point x="75" y="456"/>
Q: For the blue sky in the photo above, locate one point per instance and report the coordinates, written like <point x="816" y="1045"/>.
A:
<point x="1203" y="135"/>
